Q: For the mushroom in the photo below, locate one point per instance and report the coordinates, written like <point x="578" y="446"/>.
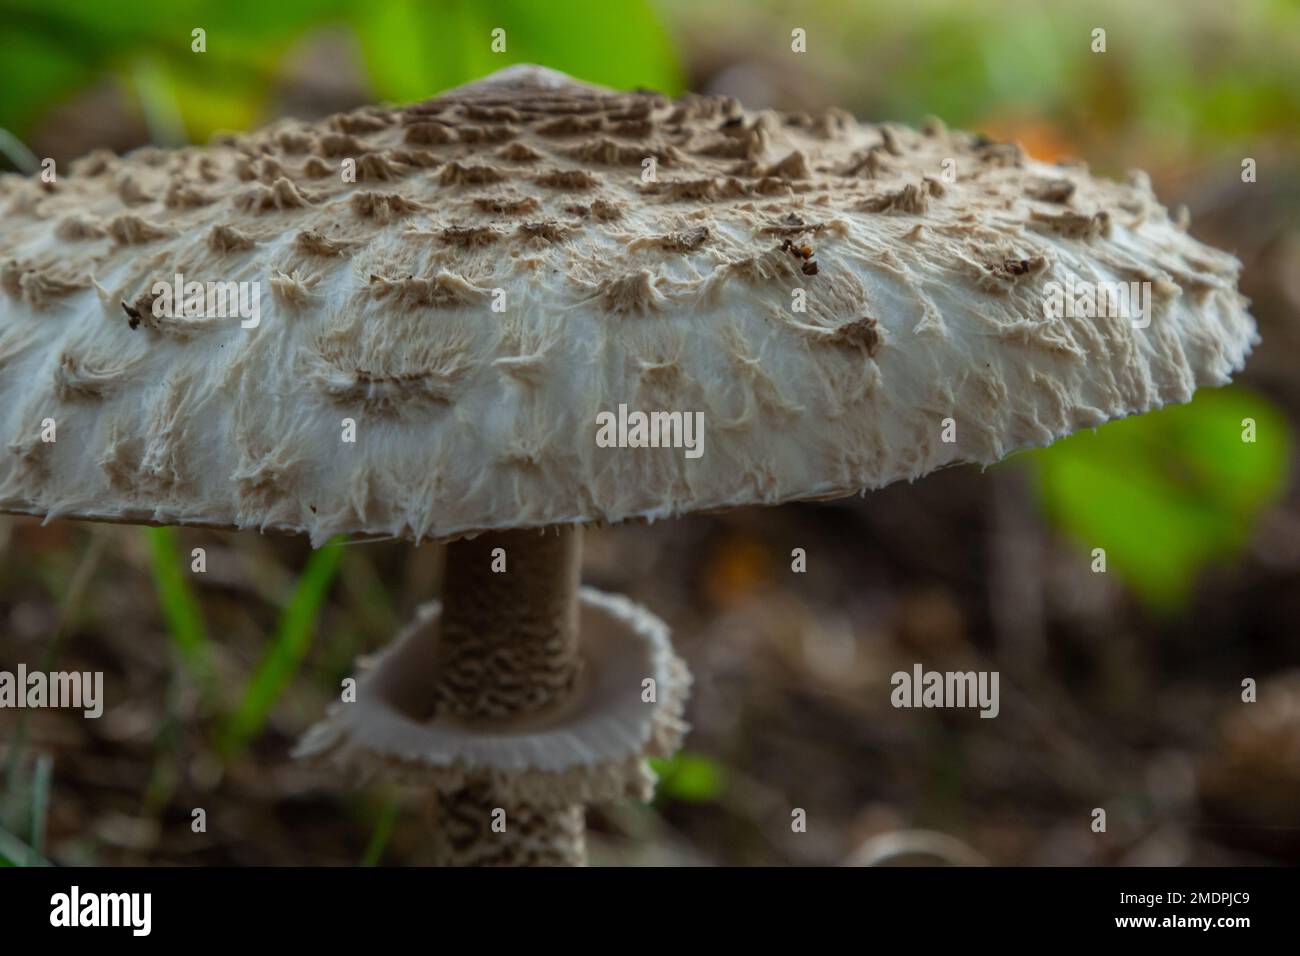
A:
<point x="532" y="304"/>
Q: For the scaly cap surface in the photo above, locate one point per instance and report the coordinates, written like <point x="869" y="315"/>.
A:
<point x="924" y="301"/>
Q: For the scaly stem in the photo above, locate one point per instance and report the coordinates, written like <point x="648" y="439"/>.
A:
<point x="531" y="836"/>
<point x="508" y="647"/>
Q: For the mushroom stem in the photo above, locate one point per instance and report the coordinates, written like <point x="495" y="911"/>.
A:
<point x="532" y="836"/>
<point x="509" y="640"/>
<point x="508" y="648"/>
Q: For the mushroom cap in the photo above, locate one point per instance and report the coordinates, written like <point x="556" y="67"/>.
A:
<point x="591" y="749"/>
<point x="520" y="255"/>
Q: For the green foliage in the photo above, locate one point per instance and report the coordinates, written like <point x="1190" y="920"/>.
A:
<point x="180" y="607"/>
<point x="38" y="70"/>
<point x="29" y="797"/>
<point x="288" y="647"/>
<point x="41" y="776"/>
<point x="52" y="48"/>
<point x="14" y="852"/>
<point x="285" y="655"/>
<point x="1172" y="75"/>
<point x="412" y="49"/>
<point x="383" y="832"/>
<point x="1168" y="493"/>
<point x="690" y="777"/>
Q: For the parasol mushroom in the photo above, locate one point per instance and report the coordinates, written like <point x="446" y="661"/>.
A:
<point x="539" y="304"/>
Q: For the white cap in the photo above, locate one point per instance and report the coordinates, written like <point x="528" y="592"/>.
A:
<point x="843" y="304"/>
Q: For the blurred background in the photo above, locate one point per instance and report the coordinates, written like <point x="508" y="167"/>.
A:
<point x="1120" y="690"/>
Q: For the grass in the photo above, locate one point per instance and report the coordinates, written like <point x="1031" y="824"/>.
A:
<point x="14" y="852"/>
<point x="181" y="609"/>
<point x="285" y="655"/>
<point x="187" y="633"/>
<point x="40" y="804"/>
<point x="383" y="832"/>
<point x="36" y="791"/>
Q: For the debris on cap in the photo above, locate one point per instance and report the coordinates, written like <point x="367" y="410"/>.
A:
<point x="591" y="749"/>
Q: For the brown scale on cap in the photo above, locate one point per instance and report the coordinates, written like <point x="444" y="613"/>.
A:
<point x="317" y="168"/>
<point x="444" y="291"/>
<point x="282" y="195"/>
<point x="606" y="152"/>
<point x="864" y="332"/>
<point x="78" y="228"/>
<point x="383" y="208"/>
<point x="420" y="158"/>
<point x="548" y="230"/>
<point x="1073" y="225"/>
<point x="181" y="195"/>
<point x="460" y="174"/>
<point x="431" y="134"/>
<point x="1050" y="190"/>
<point x="486" y="134"/>
<point x="131" y="192"/>
<point x="362" y="122"/>
<point x="39" y="286"/>
<point x="794" y="166"/>
<point x="519" y="153"/>
<point x="469" y="236"/>
<point x="568" y="179"/>
<point x="507" y="205"/>
<point x="335" y="145"/>
<point x="376" y="168"/>
<point x="313" y="243"/>
<point x="911" y="199"/>
<point x="224" y="239"/>
<point x="688" y="240"/>
<point x="261" y="169"/>
<point x="130" y="230"/>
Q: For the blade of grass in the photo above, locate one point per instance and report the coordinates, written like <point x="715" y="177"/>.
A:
<point x="165" y="773"/>
<point x="288" y="648"/>
<point x="162" y="114"/>
<point x="15" y="150"/>
<point x="383" y="832"/>
<point x="40" y="804"/>
<point x="180" y="608"/>
<point x="14" y="852"/>
<point x="71" y="604"/>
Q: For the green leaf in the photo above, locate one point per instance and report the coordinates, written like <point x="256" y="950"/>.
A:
<point x="52" y="48"/>
<point x="1168" y="493"/>
<point x="36" y="72"/>
<point x="40" y="804"/>
<point x="14" y="852"/>
<point x="383" y="832"/>
<point x="690" y="777"/>
<point x="285" y="655"/>
<point x="180" y="607"/>
<point x="415" y="49"/>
